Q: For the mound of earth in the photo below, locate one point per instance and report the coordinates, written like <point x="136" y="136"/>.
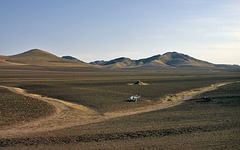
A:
<point x="138" y="83"/>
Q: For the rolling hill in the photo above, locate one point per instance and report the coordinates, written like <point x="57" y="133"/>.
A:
<point x="42" y="58"/>
<point x="167" y="60"/>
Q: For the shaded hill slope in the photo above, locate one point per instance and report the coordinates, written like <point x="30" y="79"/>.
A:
<point x="72" y="58"/>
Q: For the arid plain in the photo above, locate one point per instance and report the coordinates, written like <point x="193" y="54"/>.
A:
<point x="80" y="106"/>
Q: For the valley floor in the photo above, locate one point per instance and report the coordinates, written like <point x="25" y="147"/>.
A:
<point x="71" y="96"/>
<point x="206" y="121"/>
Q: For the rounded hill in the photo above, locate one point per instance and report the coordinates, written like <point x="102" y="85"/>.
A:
<point x="43" y="58"/>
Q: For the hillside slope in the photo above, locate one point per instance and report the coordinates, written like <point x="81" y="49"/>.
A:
<point x="43" y="58"/>
<point x="166" y="61"/>
<point x="72" y="58"/>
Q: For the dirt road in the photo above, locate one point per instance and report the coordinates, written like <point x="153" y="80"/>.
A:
<point x="69" y="114"/>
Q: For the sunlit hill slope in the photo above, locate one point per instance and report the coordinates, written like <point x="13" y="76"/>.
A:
<point x="42" y="58"/>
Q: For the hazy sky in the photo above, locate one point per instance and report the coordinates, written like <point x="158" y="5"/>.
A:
<point x="105" y="29"/>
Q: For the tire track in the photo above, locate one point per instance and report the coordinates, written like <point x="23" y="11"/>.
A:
<point x="67" y="115"/>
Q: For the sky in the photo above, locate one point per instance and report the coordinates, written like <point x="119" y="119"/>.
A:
<point x="105" y="29"/>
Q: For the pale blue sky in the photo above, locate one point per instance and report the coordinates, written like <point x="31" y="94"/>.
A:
<point x="105" y="29"/>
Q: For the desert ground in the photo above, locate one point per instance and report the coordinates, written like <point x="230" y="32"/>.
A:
<point x="52" y="107"/>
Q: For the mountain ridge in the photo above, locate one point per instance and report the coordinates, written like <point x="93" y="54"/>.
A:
<point x="166" y="61"/>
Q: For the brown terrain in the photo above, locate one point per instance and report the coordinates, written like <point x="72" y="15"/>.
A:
<point x="40" y="58"/>
<point x="69" y="114"/>
<point x="63" y="104"/>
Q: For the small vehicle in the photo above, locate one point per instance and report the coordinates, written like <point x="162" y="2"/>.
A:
<point x="134" y="98"/>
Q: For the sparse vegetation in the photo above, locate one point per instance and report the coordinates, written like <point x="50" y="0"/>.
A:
<point x="194" y="124"/>
<point x="98" y="90"/>
<point x="214" y="117"/>
<point x="15" y="108"/>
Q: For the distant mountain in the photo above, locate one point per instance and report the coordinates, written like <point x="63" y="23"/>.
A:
<point x="72" y="58"/>
<point x="170" y="60"/>
<point x="120" y="63"/>
<point x="98" y="62"/>
<point x="42" y="58"/>
<point x="167" y="61"/>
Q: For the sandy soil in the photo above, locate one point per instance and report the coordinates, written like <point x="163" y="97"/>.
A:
<point x="69" y="114"/>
